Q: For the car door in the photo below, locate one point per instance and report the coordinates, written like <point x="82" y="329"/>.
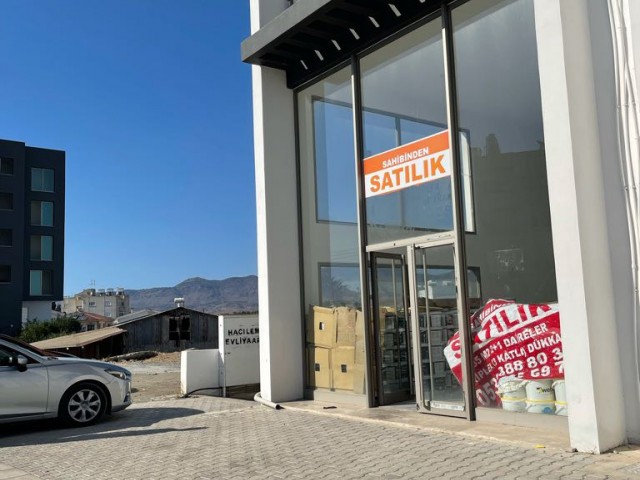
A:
<point x="22" y="393"/>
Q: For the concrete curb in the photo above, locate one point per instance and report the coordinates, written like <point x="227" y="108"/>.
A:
<point x="7" y="472"/>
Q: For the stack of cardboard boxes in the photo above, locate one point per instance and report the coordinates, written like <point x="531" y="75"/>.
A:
<point x="335" y="345"/>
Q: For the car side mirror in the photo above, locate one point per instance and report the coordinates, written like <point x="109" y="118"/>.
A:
<point x="20" y="362"/>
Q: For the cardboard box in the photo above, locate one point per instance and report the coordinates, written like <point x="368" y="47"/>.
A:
<point x="345" y="326"/>
<point x="321" y="327"/>
<point x="320" y="375"/>
<point x="359" y="386"/>
<point x="343" y="363"/>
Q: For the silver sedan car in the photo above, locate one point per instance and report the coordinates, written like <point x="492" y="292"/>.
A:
<point x="35" y="384"/>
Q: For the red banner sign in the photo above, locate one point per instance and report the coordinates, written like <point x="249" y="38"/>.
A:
<point x="510" y="340"/>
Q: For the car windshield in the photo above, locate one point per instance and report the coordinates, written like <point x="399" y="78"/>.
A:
<point x="26" y="346"/>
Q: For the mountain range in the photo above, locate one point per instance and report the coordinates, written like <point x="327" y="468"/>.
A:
<point x="231" y="295"/>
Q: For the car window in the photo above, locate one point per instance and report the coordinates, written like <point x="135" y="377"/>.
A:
<point x="6" y="353"/>
<point x="4" y="357"/>
<point x="27" y="346"/>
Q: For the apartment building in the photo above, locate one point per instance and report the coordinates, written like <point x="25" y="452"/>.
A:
<point x="32" y="206"/>
<point x="110" y="302"/>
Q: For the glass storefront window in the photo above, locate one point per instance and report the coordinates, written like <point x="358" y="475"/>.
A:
<point x="407" y="184"/>
<point x="334" y="322"/>
<point x="515" y="328"/>
<point x="404" y="101"/>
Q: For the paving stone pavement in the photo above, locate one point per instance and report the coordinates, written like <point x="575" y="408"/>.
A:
<point x="213" y="438"/>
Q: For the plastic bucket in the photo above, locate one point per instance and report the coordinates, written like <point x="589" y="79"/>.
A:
<point x="561" y="397"/>
<point x="540" y="397"/>
<point x="514" y="404"/>
<point x="512" y="394"/>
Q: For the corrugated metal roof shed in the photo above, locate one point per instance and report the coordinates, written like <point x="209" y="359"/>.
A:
<point x="130" y="317"/>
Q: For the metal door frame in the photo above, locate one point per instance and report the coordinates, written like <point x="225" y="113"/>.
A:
<point x="376" y="320"/>
<point x="467" y="406"/>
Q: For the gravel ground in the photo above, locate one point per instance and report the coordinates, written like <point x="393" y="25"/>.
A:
<point x="156" y="378"/>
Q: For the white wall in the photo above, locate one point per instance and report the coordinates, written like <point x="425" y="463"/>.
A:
<point x="279" y="286"/>
<point x="38" y="310"/>
<point x="606" y="104"/>
<point x="199" y="371"/>
<point x="581" y="236"/>
<point x="629" y="344"/>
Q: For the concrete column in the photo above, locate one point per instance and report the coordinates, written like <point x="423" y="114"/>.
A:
<point x="581" y="237"/>
<point x="263" y="11"/>
<point x="279" y="286"/>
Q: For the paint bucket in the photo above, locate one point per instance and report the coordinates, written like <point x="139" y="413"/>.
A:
<point x="561" y="397"/>
<point x="512" y="394"/>
<point x="540" y="397"/>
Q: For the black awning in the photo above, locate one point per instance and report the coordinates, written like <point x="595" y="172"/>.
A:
<point x="312" y="36"/>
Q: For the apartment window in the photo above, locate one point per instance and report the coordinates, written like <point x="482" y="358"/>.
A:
<point x="5" y="273"/>
<point x="42" y="247"/>
<point x="6" y="201"/>
<point x="42" y="214"/>
<point x="92" y="304"/>
<point x="40" y="282"/>
<point x="6" y="237"/>
<point x="42" y="180"/>
<point x="6" y="166"/>
<point x="107" y="303"/>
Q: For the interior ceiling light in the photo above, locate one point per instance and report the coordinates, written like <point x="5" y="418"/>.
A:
<point x="336" y="44"/>
<point x="375" y="23"/>
<point x="355" y="34"/>
<point x="319" y="55"/>
<point x="304" y="65"/>
<point x="394" y="9"/>
<point x="421" y="1"/>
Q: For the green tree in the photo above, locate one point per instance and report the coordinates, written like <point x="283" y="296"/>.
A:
<point x="34" y="331"/>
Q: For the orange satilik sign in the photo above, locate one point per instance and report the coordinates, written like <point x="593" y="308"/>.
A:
<point x="412" y="164"/>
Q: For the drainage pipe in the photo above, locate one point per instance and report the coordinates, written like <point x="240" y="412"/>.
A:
<point x="258" y="398"/>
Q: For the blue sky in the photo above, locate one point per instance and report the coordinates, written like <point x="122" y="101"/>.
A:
<point x="152" y="105"/>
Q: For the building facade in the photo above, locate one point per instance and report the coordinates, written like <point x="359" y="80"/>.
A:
<point x="32" y="206"/>
<point x="447" y="208"/>
<point x="110" y="302"/>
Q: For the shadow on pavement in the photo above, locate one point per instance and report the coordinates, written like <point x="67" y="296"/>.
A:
<point x="114" y="426"/>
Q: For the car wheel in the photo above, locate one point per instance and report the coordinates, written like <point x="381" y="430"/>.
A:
<point x="83" y="404"/>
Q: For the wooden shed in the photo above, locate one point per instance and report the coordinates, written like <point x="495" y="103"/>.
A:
<point x="100" y="343"/>
<point x="172" y="330"/>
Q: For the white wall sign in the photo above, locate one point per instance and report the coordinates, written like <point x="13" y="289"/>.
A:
<point x="239" y="349"/>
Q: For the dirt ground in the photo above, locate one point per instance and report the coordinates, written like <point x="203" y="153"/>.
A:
<point x="156" y="378"/>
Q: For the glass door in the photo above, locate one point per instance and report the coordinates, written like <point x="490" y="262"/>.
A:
<point x="393" y="350"/>
<point x="434" y="295"/>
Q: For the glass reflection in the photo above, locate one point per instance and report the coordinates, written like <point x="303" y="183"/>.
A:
<point x="404" y="98"/>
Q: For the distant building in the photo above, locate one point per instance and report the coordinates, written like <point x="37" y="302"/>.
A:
<point x="32" y="210"/>
<point x="110" y="303"/>
<point x="93" y="321"/>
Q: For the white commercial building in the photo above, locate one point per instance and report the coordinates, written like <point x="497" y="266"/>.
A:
<point x="447" y="200"/>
